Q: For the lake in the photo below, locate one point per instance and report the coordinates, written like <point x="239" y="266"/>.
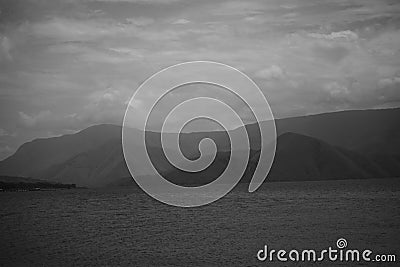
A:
<point x="124" y="226"/>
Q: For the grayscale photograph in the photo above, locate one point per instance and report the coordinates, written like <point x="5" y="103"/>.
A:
<point x="199" y="133"/>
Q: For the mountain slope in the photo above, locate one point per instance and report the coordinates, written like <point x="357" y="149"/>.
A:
<point x="366" y="131"/>
<point x="348" y="144"/>
<point x="35" y="156"/>
<point x="298" y="158"/>
<point x="94" y="167"/>
<point x="99" y="166"/>
<point x="372" y="131"/>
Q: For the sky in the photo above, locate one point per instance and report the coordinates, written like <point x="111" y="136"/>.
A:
<point x="66" y="65"/>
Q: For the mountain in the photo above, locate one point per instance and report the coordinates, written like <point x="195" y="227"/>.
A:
<point x="298" y="158"/>
<point x="95" y="167"/>
<point x="98" y="166"/>
<point x="366" y="131"/>
<point x="35" y="156"/>
<point x="339" y="145"/>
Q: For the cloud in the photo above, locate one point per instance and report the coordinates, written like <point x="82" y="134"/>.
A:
<point x="331" y="52"/>
<point x="386" y="43"/>
<point x="389" y="89"/>
<point x="49" y="122"/>
<point x="336" y="90"/>
<point x="181" y="21"/>
<point x="107" y="106"/>
<point x="63" y="29"/>
<point x="59" y="30"/>
<point x="385" y="82"/>
<point x="271" y="73"/>
<point x="73" y="66"/>
<point x="5" y="48"/>
<point x="166" y="2"/>
<point x="132" y="52"/>
<point x="235" y="8"/>
<point x="3" y="132"/>
<point x="342" y="35"/>
<point x="140" y="21"/>
<point x="5" y="150"/>
<point x="334" y="46"/>
<point x="32" y="120"/>
<point x="106" y="98"/>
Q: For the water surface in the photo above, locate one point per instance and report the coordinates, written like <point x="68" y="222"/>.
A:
<point x="124" y="226"/>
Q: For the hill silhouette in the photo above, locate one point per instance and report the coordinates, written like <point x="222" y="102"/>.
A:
<point x="34" y="157"/>
<point x="366" y="131"/>
<point x="339" y="145"/>
<point x="298" y="158"/>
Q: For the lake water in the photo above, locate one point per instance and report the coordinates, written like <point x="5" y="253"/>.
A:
<point x="124" y="226"/>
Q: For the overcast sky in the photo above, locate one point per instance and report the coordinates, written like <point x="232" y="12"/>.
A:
<point x="65" y="65"/>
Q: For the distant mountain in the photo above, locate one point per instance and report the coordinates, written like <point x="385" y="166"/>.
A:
<point x="95" y="167"/>
<point x="298" y="158"/>
<point x="339" y="145"/>
<point x="98" y="166"/>
<point x="35" y="156"/>
<point x="366" y="131"/>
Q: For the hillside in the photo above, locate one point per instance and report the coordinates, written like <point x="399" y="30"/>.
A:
<point x="35" y="156"/>
<point x="298" y="158"/>
<point x="94" y="167"/>
<point x="371" y="131"/>
<point x="339" y="145"/>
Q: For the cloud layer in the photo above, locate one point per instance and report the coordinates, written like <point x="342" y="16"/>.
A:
<point x="65" y="65"/>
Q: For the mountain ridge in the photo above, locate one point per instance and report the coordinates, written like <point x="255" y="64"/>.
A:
<point x="95" y="153"/>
